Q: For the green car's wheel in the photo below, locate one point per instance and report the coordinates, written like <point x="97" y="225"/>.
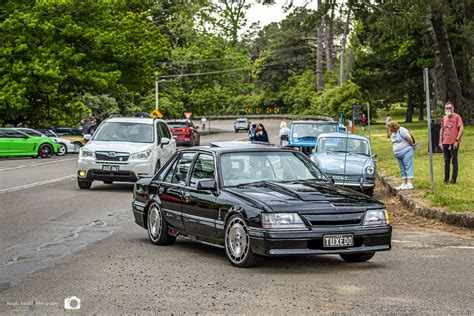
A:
<point x="45" y="151"/>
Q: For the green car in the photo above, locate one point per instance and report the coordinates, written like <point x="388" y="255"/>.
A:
<point x="16" y="143"/>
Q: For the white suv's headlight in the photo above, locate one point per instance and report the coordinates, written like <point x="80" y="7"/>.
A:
<point x="370" y="170"/>
<point x="142" y="155"/>
<point x="376" y="217"/>
<point x="85" y="152"/>
<point x="282" y="221"/>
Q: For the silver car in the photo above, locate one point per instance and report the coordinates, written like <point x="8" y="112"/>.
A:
<point x="241" y="124"/>
<point x="347" y="159"/>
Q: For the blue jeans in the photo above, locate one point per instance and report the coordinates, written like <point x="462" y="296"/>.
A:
<point x="406" y="162"/>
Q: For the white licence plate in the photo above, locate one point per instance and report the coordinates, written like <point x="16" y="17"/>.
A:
<point x="340" y="177"/>
<point x="110" y="168"/>
<point x="339" y="240"/>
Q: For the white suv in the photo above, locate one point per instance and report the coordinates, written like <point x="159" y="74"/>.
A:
<point x="124" y="149"/>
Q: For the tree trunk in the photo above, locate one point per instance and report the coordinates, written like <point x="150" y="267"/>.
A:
<point x="467" y="64"/>
<point x="329" y="35"/>
<point x="445" y="58"/>
<point x="319" y="55"/>
<point x="349" y="65"/>
<point x="343" y="44"/>
<point x="409" y="114"/>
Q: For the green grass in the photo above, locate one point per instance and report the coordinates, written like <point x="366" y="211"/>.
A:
<point x="459" y="197"/>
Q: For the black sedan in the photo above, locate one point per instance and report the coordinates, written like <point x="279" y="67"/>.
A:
<point x="255" y="201"/>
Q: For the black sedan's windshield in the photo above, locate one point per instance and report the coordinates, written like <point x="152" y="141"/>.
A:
<point x="250" y="167"/>
<point x="125" y="132"/>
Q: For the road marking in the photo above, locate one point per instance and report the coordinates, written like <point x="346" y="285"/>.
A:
<point x="461" y="247"/>
<point x="401" y="241"/>
<point x="31" y="185"/>
<point x="37" y="164"/>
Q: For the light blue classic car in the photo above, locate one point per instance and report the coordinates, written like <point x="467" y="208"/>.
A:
<point x="346" y="158"/>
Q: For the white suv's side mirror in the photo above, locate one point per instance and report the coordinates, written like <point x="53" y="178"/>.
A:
<point x="87" y="137"/>
<point x="164" y="141"/>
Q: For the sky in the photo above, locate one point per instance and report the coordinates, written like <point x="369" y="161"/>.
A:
<point x="274" y="13"/>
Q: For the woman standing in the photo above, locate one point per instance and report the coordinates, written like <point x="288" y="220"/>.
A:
<point x="261" y="134"/>
<point x="404" y="151"/>
<point x="284" y="134"/>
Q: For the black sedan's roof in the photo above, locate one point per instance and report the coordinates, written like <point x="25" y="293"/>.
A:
<point x="235" y="146"/>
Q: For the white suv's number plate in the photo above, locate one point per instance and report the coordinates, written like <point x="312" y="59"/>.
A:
<point x="110" y="168"/>
<point x="339" y="240"/>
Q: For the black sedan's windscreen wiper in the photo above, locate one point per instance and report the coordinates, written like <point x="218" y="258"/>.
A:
<point x="241" y="185"/>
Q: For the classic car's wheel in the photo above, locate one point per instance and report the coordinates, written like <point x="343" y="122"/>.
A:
<point x="369" y="192"/>
<point x="157" y="227"/>
<point x="62" y="149"/>
<point x="84" y="185"/>
<point x="357" y="257"/>
<point x="45" y="151"/>
<point x="237" y="244"/>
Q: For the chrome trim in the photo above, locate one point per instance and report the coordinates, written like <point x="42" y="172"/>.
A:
<point x="365" y="185"/>
<point x="267" y="230"/>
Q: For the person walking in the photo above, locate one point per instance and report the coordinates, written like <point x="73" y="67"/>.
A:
<point x="388" y="119"/>
<point x="261" y="134"/>
<point x="450" y="134"/>
<point x="363" y="121"/>
<point x="404" y="150"/>
<point x="284" y="134"/>
<point x="203" y="123"/>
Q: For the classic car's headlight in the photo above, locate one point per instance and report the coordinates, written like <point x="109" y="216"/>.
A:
<point x="376" y="217"/>
<point x="370" y="169"/>
<point x="85" y="152"/>
<point x="282" y="221"/>
<point x="143" y="155"/>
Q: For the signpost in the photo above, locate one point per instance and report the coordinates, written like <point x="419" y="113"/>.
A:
<point x="156" y="113"/>
<point x="426" y="80"/>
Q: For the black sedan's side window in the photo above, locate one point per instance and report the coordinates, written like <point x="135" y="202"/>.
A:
<point x="181" y="169"/>
<point x="203" y="169"/>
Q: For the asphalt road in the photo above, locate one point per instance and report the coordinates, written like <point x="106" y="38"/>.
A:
<point x="57" y="241"/>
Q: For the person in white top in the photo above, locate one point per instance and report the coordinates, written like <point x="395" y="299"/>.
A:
<point x="284" y="134"/>
<point x="203" y="123"/>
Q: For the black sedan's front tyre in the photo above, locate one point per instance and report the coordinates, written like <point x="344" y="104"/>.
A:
<point x="357" y="257"/>
<point x="237" y="244"/>
<point x="157" y="227"/>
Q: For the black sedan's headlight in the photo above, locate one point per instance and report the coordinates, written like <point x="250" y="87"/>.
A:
<point x="282" y="221"/>
<point x="376" y="218"/>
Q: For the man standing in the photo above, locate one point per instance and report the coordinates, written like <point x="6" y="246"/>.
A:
<point x="449" y="139"/>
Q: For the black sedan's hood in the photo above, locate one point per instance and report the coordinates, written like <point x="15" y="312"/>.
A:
<point x="302" y="196"/>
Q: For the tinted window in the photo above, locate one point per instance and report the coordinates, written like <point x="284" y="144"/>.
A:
<point x="165" y="132"/>
<point x="181" y="169"/>
<point x="203" y="169"/>
<point x="32" y="132"/>
<point x="9" y="133"/>
<point x="177" y="124"/>
<point x="125" y="132"/>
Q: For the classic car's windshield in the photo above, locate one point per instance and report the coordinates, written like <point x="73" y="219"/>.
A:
<point x="312" y="129"/>
<point x="338" y="144"/>
<point x="248" y="167"/>
<point x="125" y="132"/>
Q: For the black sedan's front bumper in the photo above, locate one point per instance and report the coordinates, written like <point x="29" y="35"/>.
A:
<point x="310" y="242"/>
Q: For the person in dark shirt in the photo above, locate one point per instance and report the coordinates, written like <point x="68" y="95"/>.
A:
<point x="261" y="134"/>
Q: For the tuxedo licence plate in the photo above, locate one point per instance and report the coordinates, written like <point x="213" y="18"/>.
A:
<point x="339" y="240"/>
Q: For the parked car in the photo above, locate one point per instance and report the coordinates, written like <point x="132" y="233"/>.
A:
<point x="124" y="149"/>
<point x="304" y="134"/>
<point x="254" y="201"/>
<point x="184" y="132"/>
<point x="66" y="146"/>
<point x="73" y="134"/>
<point x="241" y="124"/>
<point x="348" y="160"/>
<point x="16" y="143"/>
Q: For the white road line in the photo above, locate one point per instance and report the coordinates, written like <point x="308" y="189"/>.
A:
<point x="37" y="164"/>
<point x="401" y="241"/>
<point x="461" y="247"/>
<point x="31" y="185"/>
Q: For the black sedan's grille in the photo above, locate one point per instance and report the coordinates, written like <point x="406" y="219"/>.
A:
<point x="111" y="156"/>
<point x="335" y="219"/>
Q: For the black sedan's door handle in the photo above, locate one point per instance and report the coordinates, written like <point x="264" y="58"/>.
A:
<point x="188" y="198"/>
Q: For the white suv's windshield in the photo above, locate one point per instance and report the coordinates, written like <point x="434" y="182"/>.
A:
<point x="125" y="132"/>
<point x="338" y="144"/>
<point x="249" y="167"/>
<point x="312" y="129"/>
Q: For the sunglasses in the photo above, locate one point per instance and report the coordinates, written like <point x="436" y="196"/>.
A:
<point x="449" y="108"/>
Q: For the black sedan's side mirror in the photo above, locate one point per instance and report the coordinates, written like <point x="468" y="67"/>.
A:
<point x="207" y="185"/>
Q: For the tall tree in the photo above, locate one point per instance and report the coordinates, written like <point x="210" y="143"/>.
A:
<point x="329" y="36"/>
<point x="343" y="46"/>
<point x="319" y="53"/>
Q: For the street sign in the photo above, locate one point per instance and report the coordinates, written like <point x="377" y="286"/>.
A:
<point x="156" y="113"/>
<point x="187" y="115"/>
<point x="357" y="112"/>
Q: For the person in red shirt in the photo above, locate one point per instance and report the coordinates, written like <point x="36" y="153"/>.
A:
<point x="449" y="139"/>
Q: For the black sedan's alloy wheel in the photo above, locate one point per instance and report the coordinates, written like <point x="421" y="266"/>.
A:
<point x="157" y="227"/>
<point x="237" y="244"/>
<point x="45" y="151"/>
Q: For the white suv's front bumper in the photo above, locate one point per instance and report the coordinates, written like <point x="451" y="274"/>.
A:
<point x="130" y="171"/>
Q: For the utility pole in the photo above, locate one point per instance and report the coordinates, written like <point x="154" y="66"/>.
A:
<point x="426" y="80"/>
<point x="157" y="92"/>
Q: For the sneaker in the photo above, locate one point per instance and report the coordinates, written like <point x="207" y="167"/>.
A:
<point x="453" y="181"/>
<point x="446" y="182"/>
<point x="401" y="186"/>
<point x="408" y="186"/>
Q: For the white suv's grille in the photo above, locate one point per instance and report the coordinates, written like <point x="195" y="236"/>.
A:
<point x="111" y="156"/>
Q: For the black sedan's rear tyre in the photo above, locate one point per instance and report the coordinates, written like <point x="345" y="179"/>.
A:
<point x="157" y="227"/>
<point x="84" y="185"/>
<point x="357" y="257"/>
<point x="45" y="151"/>
<point x="237" y="244"/>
